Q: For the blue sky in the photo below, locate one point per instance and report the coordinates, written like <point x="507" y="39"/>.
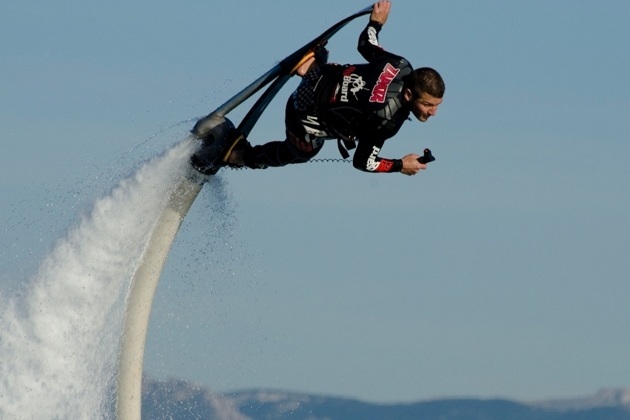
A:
<point x="500" y="271"/>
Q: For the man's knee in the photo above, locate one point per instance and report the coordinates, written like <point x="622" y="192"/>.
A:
<point x="303" y="146"/>
<point x="299" y="143"/>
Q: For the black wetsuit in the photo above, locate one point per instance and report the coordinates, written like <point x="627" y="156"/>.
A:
<point x="362" y="102"/>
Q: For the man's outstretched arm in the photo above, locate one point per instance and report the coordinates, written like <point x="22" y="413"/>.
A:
<point x="369" y="46"/>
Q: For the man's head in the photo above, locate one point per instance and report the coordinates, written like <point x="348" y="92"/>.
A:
<point x="424" y="89"/>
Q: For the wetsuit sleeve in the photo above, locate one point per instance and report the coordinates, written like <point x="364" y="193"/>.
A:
<point x="369" y="46"/>
<point x="366" y="158"/>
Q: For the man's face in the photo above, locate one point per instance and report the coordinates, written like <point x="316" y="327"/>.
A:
<point x="423" y="106"/>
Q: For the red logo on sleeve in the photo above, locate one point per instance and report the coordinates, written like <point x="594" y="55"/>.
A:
<point x="384" y="80"/>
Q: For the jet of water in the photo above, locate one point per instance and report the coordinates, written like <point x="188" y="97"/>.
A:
<point x="59" y="339"/>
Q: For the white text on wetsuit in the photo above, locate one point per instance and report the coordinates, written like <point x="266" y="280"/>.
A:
<point x="372" y="164"/>
<point x="372" y="36"/>
<point x="350" y="79"/>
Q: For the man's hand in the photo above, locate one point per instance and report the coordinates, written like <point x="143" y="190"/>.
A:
<point x="381" y="11"/>
<point x="411" y="166"/>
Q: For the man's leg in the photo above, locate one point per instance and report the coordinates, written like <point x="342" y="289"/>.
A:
<point x="281" y="153"/>
<point x="298" y="147"/>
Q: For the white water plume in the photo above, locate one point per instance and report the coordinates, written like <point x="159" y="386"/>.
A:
<point x="59" y="338"/>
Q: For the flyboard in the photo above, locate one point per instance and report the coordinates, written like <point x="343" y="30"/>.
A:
<point x="218" y="135"/>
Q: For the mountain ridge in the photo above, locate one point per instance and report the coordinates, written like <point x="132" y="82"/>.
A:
<point x="177" y="399"/>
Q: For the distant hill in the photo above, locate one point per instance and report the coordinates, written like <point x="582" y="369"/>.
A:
<point x="180" y="400"/>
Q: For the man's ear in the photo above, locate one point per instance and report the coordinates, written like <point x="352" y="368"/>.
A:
<point x="407" y="95"/>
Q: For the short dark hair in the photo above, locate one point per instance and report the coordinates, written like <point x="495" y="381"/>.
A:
<point x="426" y="80"/>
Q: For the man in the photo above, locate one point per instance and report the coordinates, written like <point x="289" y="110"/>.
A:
<point x="366" y="103"/>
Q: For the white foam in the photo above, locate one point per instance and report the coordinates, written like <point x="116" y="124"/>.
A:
<point x="59" y="339"/>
